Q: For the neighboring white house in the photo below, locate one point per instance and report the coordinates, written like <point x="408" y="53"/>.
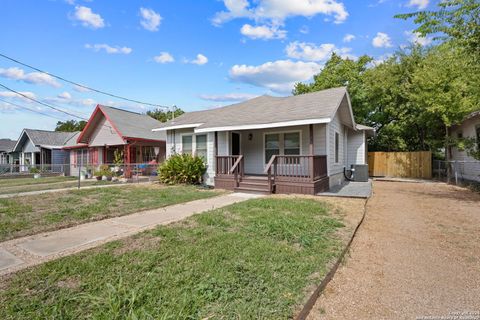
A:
<point x="470" y="128"/>
<point x="6" y="155"/>
<point x="305" y="141"/>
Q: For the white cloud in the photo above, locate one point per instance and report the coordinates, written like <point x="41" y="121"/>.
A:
<point x="228" y="97"/>
<point x="88" y="18"/>
<point x="150" y="19"/>
<point x="348" y="37"/>
<point x="420" y="4"/>
<point x="200" y="60"/>
<point x="9" y="94"/>
<point x="65" y="96"/>
<point x="15" y="73"/>
<point x="164" y="57"/>
<point x="416" y="38"/>
<point x="279" y="10"/>
<point x="312" y="52"/>
<point x="279" y="76"/>
<point x="382" y="40"/>
<point x="263" y="32"/>
<point x="80" y="89"/>
<point x="109" y="49"/>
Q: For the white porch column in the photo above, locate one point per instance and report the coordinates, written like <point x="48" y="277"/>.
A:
<point x="32" y="160"/>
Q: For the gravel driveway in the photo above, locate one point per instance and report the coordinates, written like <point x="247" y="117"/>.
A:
<point x="416" y="255"/>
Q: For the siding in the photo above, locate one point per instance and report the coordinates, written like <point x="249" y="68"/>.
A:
<point x="29" y="147"/>
<point x="253" y="151"/>
<point x="104" y="134"/>
<point x="174" y="145"/>
<point x="335" y="126"/>
<point x="355" y="148"/>
<point x="471" y="169"/>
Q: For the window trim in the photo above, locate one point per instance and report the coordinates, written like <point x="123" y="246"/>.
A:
<point x="194" y="142"/>
<point x="336" y="147"/>
<point x="281" y="142"/>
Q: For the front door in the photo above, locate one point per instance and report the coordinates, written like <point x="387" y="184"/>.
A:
<point x="235" y="149"/>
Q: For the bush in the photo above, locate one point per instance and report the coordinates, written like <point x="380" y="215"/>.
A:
<point x="34" y="170"/>
<point x="182" y="168"/>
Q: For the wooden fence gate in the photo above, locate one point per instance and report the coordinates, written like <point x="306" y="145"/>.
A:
<point x="416" y="164"/>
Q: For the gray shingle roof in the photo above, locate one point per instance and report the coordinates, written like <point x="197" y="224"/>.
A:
<point x="7" y="145"/>
<point x="266" y="109"/>
<point x="131" y="124"/>
<point x="49" y="138"/>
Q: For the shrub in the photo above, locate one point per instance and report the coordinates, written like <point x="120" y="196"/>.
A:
<point x="34" y="170"/>
<point x="182" y="168"/>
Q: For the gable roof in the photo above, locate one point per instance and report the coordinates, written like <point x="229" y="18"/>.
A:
<point x="43" y="138"/>
<point x="266" y="111"/>
<point x="127" y="124"/>
<point x="7" y="145"/>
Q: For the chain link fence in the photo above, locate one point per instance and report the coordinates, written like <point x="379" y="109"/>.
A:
<point x="462" y="173"/>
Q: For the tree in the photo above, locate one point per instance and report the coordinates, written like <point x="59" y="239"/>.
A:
<point x="163" y="116"/>
<point x="446" y="86"/>
<point x="339" y="72"/>
<point x="70" y="125"/>
<point x="457" y="20"/>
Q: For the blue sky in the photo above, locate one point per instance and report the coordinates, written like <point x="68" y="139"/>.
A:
<point x="190" y="53"/>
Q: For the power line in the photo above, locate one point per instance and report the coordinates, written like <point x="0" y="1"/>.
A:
<point x="81" y="85"/>
<point x="32" y="110"/>
<point x="42" y="103"/>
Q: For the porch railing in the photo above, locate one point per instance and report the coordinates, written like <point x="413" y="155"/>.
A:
<point x="230" y="166"/>
<point x="295" y="168"/>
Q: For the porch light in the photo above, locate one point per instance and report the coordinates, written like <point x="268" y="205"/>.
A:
<point x="250" y="137"/>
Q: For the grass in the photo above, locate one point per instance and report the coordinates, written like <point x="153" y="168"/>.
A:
<point x="251" y="260"/>
<point x="31" y="181"/>
<point x="50" y="185"/>
<point x="26" y="215"/>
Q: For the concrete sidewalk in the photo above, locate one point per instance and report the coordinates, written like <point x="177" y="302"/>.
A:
<point x="24" y="252"/>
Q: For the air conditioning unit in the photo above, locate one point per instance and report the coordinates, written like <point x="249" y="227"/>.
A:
<point x="360" y="172"/>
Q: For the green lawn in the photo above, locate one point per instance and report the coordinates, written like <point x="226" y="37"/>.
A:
<point x="251" y="260"/>
<point x="25" y="215"/>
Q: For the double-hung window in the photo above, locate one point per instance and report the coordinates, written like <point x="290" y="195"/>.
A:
<point x="272" y="145"/>
<point x="287" y="143"/>
<point x="187" y="144"/>
<point x="201" y="146"/>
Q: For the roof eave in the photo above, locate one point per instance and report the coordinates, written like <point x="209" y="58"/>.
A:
<point x="180" y="126"/>
<point x="265" y="125"/>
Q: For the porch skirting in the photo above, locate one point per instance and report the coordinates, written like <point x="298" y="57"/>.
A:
<point x="281" y="186"/>
<point x="288" y="187"/>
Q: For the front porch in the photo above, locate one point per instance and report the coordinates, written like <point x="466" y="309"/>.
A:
<point x="283" y="174"/>
<point x="276" y="160"/>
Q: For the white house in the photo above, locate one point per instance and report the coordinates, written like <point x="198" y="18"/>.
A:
<point x="469" y="128"/>
<point x="296" y="144"/>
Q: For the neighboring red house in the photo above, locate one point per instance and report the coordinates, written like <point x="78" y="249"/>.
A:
<point x="109" y="130"/>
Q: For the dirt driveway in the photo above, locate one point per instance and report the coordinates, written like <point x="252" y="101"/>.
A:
<point x="416" y="255"/>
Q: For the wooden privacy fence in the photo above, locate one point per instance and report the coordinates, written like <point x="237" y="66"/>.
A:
<point x="416" y="164"/>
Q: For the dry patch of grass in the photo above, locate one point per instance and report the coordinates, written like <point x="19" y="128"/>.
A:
<point x="21" y="216"/>
<point x="251" y="260"/>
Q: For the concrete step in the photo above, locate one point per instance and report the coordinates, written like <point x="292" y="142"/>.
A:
<point x="264" y="191"/>
<point x="254" y="184"/>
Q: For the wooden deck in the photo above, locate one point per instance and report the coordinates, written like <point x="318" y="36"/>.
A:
<point x="284" y="174"/>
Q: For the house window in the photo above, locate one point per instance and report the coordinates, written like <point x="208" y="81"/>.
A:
<point x="148" y="154"/>
<point x="187" y="144"/>
<point x="460" y="135"/>
<point x="337" y="147"/>
<point x="272" y="146"/>
<point x="201" y="146"/>
<point x="291" y="143"/>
